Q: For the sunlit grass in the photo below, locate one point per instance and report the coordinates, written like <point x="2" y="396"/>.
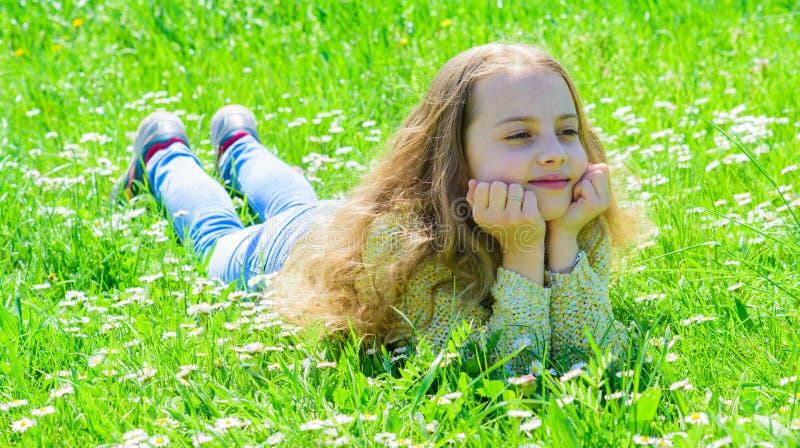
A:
<point x="109" y="332"/>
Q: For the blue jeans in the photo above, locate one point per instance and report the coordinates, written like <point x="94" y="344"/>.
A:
<point x="201" y="211"/>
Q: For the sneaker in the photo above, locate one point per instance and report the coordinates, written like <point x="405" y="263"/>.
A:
<point x="157" y="131"/>
<point x="230" y="123"/>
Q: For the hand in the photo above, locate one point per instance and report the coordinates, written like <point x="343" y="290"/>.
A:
<point x="508" y="213"/>
<point x="591" y="197"/>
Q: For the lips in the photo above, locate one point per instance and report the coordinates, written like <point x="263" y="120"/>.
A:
<point x="550" y="182"/>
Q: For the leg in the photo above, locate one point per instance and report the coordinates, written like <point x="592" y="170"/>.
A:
<point x="269" y="184"/>
<point x="259" y="249"/>
<point x="284" y="201"/>
<point x="202" y="211"/>
<point x="197" y="205"/>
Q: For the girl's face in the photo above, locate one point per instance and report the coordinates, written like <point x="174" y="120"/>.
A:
<point x="524" y="129"/>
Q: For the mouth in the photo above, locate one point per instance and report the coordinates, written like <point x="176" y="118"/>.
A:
<point x="553" y="182"/>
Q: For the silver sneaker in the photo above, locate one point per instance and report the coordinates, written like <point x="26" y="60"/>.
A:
<point x="227" y="122"/>
<point x="156" y="131"/>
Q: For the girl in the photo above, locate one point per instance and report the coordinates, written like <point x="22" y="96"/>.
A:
<point x="493" y="204"/>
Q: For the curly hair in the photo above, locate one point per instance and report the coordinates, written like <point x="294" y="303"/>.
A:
<point x="423" y="174"/>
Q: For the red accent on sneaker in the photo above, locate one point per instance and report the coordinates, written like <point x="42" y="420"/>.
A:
<point x="161" y="145"/>
<point x="229" y="141"/>
<point x="155" y="147"/>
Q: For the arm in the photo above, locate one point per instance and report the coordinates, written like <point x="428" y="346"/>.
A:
<point x="579" y="299"/>
<point x="431" y="301"/>
<point x="519" y="314"/>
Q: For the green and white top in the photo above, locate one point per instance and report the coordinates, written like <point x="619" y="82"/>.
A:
<point x="536" y="318"/>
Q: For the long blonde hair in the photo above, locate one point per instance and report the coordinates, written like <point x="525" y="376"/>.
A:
<point x="423" y="174"/>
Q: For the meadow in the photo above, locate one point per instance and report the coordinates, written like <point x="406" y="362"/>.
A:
<point x="111" y="335"/>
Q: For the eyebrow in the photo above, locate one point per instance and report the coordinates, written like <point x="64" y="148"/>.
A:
<point x="525" y="118"/>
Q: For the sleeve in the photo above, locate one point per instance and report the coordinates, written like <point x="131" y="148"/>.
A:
<point x="579" y="301"/>
<point x="520" y="313"/>
<point x="432" y="303"/>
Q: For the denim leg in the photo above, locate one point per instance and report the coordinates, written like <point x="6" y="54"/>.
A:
<point x="285" y="203"/>
<point x="259" y="249"/>
<point x="269" y="184"/>
<point x="197" y="205"/>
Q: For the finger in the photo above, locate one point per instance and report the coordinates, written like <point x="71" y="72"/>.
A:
<point x="530" y="205"/>
<point x="515" y="198"/>
<point x="497" y="195"/>
<point x="579" y="190"/>
<point x="588" y="192"/>
<point x="481" y="195"/>
<point x="471" y="191"/>
<point x="601" y="183"/>
<point x="586" y="171"/>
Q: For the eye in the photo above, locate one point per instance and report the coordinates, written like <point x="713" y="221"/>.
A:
<point x="519" y="135"/>
<point x="569" y="132"/>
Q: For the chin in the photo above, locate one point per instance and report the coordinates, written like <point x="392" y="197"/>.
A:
<point x="555" y="206"/>
<point x="550" y="212"/>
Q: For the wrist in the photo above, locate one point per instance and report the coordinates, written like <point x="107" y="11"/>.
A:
<point x="519" y="252"/>
<point x="560" y="237"/>
<point x="526" y="262"/>
<point x="562" y="251"/>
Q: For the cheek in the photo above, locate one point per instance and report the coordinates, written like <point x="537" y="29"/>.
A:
<point x="495" y="163"/>
<point x="578" y="157"/>
<point x="510" y="164"/>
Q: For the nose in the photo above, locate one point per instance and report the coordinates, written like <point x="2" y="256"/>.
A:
<point x="549" y="151"/>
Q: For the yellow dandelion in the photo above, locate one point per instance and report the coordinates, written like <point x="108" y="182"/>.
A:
<point x="77" y="22"/>
<point x="58" y="47"/>
<point x="19" y="52"/>
<point x="446" y="22"/>
<point x="404" y="41"/>
<point x="52" y="276"/>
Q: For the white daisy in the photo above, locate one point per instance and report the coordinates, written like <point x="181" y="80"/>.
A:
<point x="22" y="424"/>
<point x="135" y="436"/>
<point x="46" y="410"/>
<point x="201" y="438"/>
<point x="274" y="439"/>
<point x="531" y="424"/>
<point x="312" y="425"/>
<point x="15" y="404"/>
<point x="697" y="418"/>
<point x="159" y="440"/>
<point x="227" y="422"/>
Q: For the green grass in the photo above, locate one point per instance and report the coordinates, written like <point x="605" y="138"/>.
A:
<point x="683" y="92"/>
